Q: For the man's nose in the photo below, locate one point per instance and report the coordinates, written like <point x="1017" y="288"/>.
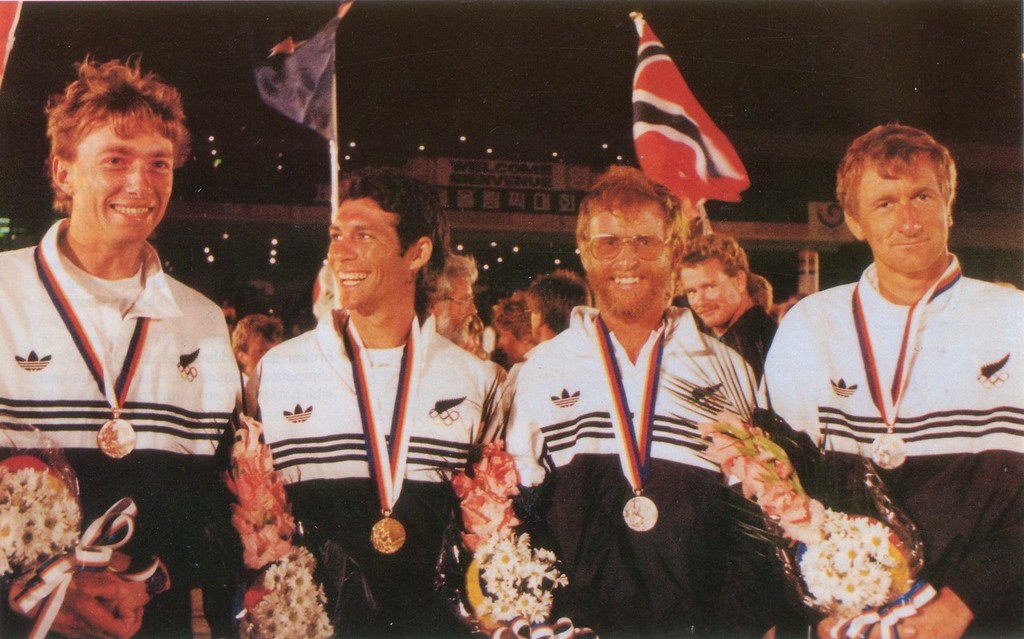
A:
<point x="136" y="180"/>
<point x="909" y="217"/>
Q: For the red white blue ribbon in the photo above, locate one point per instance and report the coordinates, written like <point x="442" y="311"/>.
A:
<point x="888" y="403"/>
<point x="387" y="458"/>
<point x="94" y="551"/>
<point x="520" y="628"/>
<point x="885" y="617"/>
<point x="114" y="393"/>
<point x="634" y="436"/>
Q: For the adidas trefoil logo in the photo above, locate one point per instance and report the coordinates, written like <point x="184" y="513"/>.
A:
<point x="444" y="411"/>
<point x="33" y="362"/>
<point x="992" y="375"/>
<point x="188" y="371"/>
<point x="841" y="389"/>
<point x="299" y="415"/>
<point x="566" y="400"/>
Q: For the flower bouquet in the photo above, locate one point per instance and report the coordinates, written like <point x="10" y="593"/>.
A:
<point x="42" y="545"/>
<point x="498" y="583"/>
<point x="862" y="569"/>
<point x="285" y="600"/>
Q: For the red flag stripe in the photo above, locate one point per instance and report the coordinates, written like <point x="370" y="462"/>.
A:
<point x="9" y="13"/>
<point x="676" y="141"/>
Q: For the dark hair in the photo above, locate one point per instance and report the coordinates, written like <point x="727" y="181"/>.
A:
<point x="119" y="94"/>
<point x="420" y="213"/>
<point x="555" y="295"/>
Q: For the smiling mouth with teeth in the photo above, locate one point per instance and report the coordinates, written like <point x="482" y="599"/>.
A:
<point x="131" y="210"/>
<point x="350" y="279"/>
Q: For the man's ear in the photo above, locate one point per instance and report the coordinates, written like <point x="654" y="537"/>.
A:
<point x="853" y="224"/>
<point x="419" y="253"/>
<point x="744" y="280"/>
<point x="60" y="171"/>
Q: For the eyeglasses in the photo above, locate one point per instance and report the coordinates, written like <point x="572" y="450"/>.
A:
<point x="608" y="247"/>
<point x="465" y="301"/>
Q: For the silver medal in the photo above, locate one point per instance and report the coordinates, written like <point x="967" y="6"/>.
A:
<point x="640" y="513"/>
<point x="889" y="451"/>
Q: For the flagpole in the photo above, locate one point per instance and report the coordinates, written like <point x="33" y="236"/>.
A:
<point x="335" y="165"/>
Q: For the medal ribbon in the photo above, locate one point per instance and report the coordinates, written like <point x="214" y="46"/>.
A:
<point x="634" y="436"/>
<point x="886" y="617"/>
<point x="94" y="551"/>
<point x="387" y="459"/>
<point x="888" y="404"/>
<point x="85" y="348"/>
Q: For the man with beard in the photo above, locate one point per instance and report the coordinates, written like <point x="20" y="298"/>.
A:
<point x="451" y="301"/>
<point x="604" y="422"/>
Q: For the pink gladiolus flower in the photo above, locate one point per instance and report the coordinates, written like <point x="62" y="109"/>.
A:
<point x="486" y="504"/>
<point x="484" y="515"/>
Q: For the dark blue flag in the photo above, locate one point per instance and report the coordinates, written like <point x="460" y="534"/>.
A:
<point x="298" y="79"/>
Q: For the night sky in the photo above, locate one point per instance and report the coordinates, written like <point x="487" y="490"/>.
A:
<point x="525" y="79"/>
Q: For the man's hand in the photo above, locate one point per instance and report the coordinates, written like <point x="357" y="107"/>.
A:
<point x="98" y="604"/>
<point x="945" y="617"/>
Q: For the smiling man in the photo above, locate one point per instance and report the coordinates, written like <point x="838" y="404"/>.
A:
<point x="604" y="422"/>
<point x="132" y="372"/>
<point x="918" y="369"/>
<point x="367" y="413"/>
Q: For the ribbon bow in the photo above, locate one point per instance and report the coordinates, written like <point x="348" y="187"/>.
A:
<point x="94" y="551"/>
<point x="887" y="616"/>
<point x="520" y="628"/>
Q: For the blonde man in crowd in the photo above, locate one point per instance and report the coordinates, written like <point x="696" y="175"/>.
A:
<point x="253" y="336"/>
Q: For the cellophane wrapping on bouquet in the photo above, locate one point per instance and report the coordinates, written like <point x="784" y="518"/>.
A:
<point x="42" y="544"/>
<point x="39" y="511"/>
<point x="494" y="579"/>
<point x="284" y="599"/>
<point x="849" y="554"/>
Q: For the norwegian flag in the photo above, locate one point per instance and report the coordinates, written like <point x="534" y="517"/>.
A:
<point x="9" y="12"/>
<point x="676" y="142"/>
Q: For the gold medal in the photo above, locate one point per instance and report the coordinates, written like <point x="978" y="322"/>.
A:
<point x="640" y="513"/>
<point x="889" y="451"/>
<point x="116" y="438"/>
<point x="387" y="535"/>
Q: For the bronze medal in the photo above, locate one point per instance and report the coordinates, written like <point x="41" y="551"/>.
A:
<point x="116" y="438"/>
<point x="640" y="513"/>
<point x="387" y="536"/>
<point x="889" y="451"/>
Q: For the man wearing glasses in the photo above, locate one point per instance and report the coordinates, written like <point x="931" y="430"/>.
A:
<point x="603" y="426"/>
<point x="450" y="300"/>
